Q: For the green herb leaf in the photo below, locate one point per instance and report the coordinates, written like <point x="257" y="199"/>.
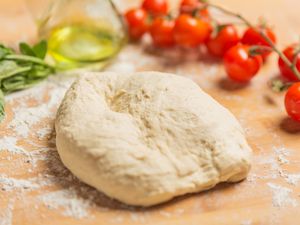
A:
<point x="5" y="51"/>
<point x="40" y="49"/>
<point x="26" y="59"/>
<point x="26" y="49"/>
<point x="7" y="68"/>
<point x="10" y="68"/>
<point x="39" y="71"/>
<point x="2" y="113"/>
<point x="19" y="71"/>
<point x="14" y="83"/>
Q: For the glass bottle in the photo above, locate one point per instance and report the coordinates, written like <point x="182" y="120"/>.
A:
<point x="80" y="33"/>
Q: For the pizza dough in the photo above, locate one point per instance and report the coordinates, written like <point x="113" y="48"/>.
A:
<point x="144" y="138"/>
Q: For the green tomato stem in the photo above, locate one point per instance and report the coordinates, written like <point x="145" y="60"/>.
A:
<point x="259" y="49"/>
<point x="296" y="56"/>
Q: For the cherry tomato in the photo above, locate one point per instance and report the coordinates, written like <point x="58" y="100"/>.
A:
<point x="224" y="40"/>
<point x="292" y="101"/>
<point x="189" y="6"/>
<point x="240" y="65"/>
<point x="286" y="72"/>
<point x="137" y="23"/>
<point x="190" y="31"/>
<point x="161" y="32"/>
<point x="156" y="7"/>
<point x="252" y="37"/>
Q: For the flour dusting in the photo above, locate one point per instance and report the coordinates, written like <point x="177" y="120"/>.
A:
<point x="31" y="137"/>
<point x="282" y="196"/>
<point x="292" y="179"/>
<point x="10" y="144"/>
<point x="6" y="216"/>
<point x="9" y="184"/>
<point x="25" y="117"/>
<point x="282" y="154"/>
<point x="68" y="201"/>
<point x="44" y="132"/>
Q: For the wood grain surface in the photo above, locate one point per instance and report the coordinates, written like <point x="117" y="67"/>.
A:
<point x="271" y="194"/>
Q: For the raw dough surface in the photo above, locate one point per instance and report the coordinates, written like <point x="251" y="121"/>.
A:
<point x="144" y="138"/>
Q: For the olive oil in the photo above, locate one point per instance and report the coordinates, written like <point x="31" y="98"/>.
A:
<point x="80" y="45"/>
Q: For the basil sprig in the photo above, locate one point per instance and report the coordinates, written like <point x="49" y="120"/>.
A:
<point x="20" y="71"/>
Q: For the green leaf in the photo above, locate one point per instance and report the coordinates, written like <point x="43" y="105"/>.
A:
<point x="5" y="51"/>
<point x="39" y="71"/>
<point x="10" y="68"/>
<point x="14" y="83"/>
<point x="24" y="80"/>
<point x="19" y="71"/>
<point x="26" y="59"/>
<point x="40" y="49"/>
<point x="26" y="49"/>
<point x="2" y="113"/>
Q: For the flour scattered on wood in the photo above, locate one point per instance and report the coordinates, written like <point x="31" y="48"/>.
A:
<point x="25" y="117"/>
<point x="67" y="201"/>
<point x="282" y="196"/>
<point x="282" y="153"/>
<point x="43" y="132"/>
<point x="7" y="215"/>
<point x="293" y="179"/>
<point x="10" y="144"/>
<point x="9" y="184"/>
<point x="37" y="182"/>
<point x="32" y="107"/>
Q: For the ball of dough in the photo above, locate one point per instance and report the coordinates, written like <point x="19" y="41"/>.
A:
<point x="144" y="138"/>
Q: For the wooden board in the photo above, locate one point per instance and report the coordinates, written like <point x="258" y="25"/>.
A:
<point x="37" y="189"/>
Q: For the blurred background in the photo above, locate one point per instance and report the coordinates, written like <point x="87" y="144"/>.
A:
<point x="17" y="24"/>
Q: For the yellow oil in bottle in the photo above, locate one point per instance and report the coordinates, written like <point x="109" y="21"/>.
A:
<point x="80" y="45"/>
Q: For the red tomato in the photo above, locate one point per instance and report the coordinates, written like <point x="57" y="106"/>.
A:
<point x="286" y="72"/>
<point x="240" y="65"/>
<point x="189" y="6"/>
<point x="292" y="101"/>
<point x="252" y="37"/>
<point x="190" y="31"/>
<point x="137" y="23"/>
<point x="156" y="7"/>
<point x="161" y="32"/>
<point x="225" y="39"/>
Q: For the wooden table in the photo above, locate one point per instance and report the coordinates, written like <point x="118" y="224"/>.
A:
<point x="37" y="189"/>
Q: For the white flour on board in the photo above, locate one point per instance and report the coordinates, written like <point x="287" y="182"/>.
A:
<point x="10" y="144"/>
<point x="282" y="154"/>
<point x="6" y="215"/>
<point x="75" y="199"/>
<point x="282" y="196"/>
<point x="293" y="179"/>
<point x="9" y="184"/>
<point x="67" y="201"/>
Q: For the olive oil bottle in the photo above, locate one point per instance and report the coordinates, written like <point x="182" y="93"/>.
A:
<point x="79" y="45"/>
<point x="80" y="33"/>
